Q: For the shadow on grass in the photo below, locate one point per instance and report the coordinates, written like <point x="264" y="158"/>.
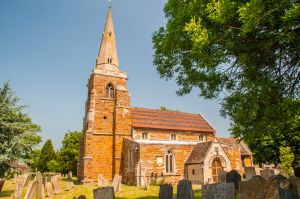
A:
<point x="6" y="193"/>
<point x="143" y="197"/>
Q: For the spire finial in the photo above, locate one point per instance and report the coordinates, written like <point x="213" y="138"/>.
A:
<point x="109" y="1"/>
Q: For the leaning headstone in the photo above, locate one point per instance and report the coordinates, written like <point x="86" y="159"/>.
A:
<point x="104" y="193"/>
<point x="266" y="173"/>
<point x="28" y="178"/>
<point x="295" y="185"/>
<point x="249" y="172"/>
<point x="235" y="177"/>
<point x="117" y="183"/>
<point x="222" y="176"/>
<point x="31" y="190"/>
<point x="258" y="188"/>
<point x="70" y="186"/>
<point x="57" y="189"/>
<point x="218" y="190"/>
<point x="49" y="189"/>
<point x="284" y="187"/>
<point x="165" y="191"/>
<point x="185" y="190"/>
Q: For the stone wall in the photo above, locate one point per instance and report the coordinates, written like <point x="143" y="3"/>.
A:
<point x="161" y="134"/>
<point x="106" y="122"/>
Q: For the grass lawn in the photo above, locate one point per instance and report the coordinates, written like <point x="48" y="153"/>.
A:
<point x="127" y="192"/>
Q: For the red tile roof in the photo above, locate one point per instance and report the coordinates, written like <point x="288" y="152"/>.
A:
<point x="232" y="142"/>
<point x="198" y="153"/>
<point x="158" y="119"/>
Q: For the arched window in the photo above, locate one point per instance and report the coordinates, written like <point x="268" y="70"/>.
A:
<point x="169" y="162"/>
<point x="110" y="91"/>
<point x="173" y="136"/>
<point x="145" y="136"/>
<point x="216" y="169"/>
<point x="109" y="60"/>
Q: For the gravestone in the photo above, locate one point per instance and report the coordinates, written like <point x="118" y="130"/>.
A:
<point x="39" y="188"/>
<point x="70" y="186"/>
<point x="31" y="190"/>
<point x="218" y="190"/>
<point x="249" y="172"/>
<point x="266" y="173"/>
<point x="104" y="193"/>
<point x="295" y="185"/>
<point x="147" y="182"/>
<point x="165" y="191"/>
<point x="284" y="187"/>
<point x="57" y="188"/>
<point x="235" y="177"/>
<point x="222" y="176"/>
<point x="101" y="181"/>
<point x="28" y="178"/>
<point x="258" y="188"/>
<point x="117" y="183"/>
<point x="49" y="189"/>
<point x="185" y="190"/>
<point x="70" y="175"/>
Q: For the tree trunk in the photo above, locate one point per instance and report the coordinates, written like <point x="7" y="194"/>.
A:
<point x="1" y="184"/>
<point x="297" y="171"/>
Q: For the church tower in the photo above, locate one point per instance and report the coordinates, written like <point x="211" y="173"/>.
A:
<point x="107" y="118"/>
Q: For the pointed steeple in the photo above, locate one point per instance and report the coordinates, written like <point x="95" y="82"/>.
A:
<point x="108" y="57"/>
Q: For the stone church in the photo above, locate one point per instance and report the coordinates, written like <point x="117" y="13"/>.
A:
<point x="141" y="143"/>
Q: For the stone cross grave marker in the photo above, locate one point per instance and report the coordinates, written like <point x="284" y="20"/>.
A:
<point x="235" y="177"/>
<point x="57" y="188"/>
<point x="222" y="176"/>
<point x="249" y="172"/>
<point x="31" y="190"/>
<point x="266" y="173"/>
<point x="117" y="183"/>
<point x="258" y="188"/>
<point x="218" y="190"/>
<point x="185" y="190"/>
<point x="49" y="189"/>
<point x="104" y="193"/>
<point x="295" y="184"/>
<point x="165" y="191"/>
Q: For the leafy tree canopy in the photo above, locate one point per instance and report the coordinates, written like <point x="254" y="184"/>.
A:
<point x="68" y="154"/>
<point x="47" y="154"/>
<point x="247" y="54"/>
<point x="18" y="135"/>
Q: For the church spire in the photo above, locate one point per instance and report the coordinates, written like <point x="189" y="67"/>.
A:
<point x="108" y="58"/>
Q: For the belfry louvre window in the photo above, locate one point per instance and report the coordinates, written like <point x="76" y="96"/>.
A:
<point x="169" y="162"/>
<point x="109" y="60"/>
<point x="110" y="91"/>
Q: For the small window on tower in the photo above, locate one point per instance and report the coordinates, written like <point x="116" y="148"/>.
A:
<point x="110" y="91"/>
<point x="173" y="136"/>
<point x="109" y="60"/>
<point x="110" y="34"/>
<point x="144" y="136"/>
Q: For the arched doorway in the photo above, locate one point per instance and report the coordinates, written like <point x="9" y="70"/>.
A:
<point x="216" y="168"/>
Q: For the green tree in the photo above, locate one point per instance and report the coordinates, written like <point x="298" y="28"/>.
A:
<point x="18" y="135"/>
<point x="33" y="159"/>
<point x="247" y="54"/>
<point x="47" y="154"/>
<point x="68" y="154"/>
<point x="286" y="159"/>
<point x="53" y="166"/>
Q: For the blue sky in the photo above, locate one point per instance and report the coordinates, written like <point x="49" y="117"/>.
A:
<point x="48" y="50"/>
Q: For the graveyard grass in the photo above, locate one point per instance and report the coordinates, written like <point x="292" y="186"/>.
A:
<point x="127" y="192"/>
